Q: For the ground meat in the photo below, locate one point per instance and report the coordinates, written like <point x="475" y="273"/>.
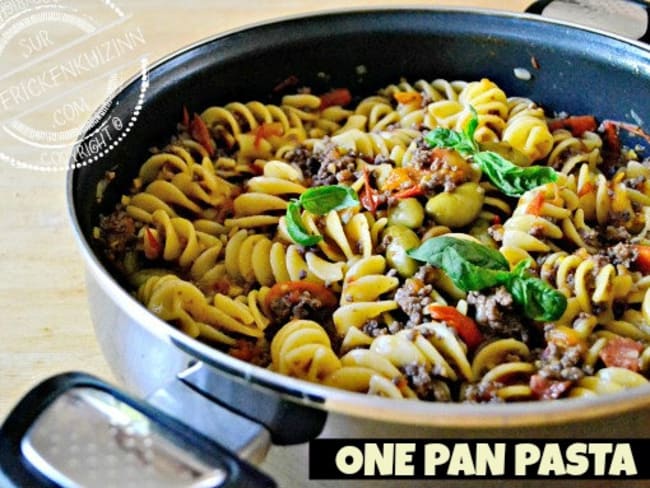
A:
<point x="590" y="236"/>
<point x="374" y="328"/>
<point x="329" y="166"/>
<point x="414" y="296"/>
<point x="561" y="363"/>
<point x="447" y="168"/>
<point x="496" y="313"/>
<point x="286" y="308"/>
<point x="424" y="385"/>
<point x="618" y="233"/>
<point x="483" y="392"/>
<point x="622" y="254"/>
<point x="636" y="183"/>
<point x="304" y="159"/>
<point x="118" y="231"/>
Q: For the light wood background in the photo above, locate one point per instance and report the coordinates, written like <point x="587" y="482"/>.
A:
<point x="45" y="326"/>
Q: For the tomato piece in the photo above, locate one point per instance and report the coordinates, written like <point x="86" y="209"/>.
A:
<point x="368" y="196"/>
<point x="267" y="129"/>
<point x="622" y="352"/>
<point x="577" y="124"/>
<point x="289" y="81"/>
<point x="152" y="247"/>
<point x="642" y="261"/>
<point x="292" y="290"/>
<point x="401" y="178"/>
<point x="586" y="189"/>
<point x="464" y="325"/>
<point x="564" y="336"/>
<point x="408" y="97"/>
<point x="631" y="128"/>
<point x="536" y="204"/>
<point x="610" y="136"/>
<point x="414" y="191"/>
<point x="340" y="96"/>
<point x="243" y="350"/>
<point x="201" y="133"/>
<point x="546" y="389"/>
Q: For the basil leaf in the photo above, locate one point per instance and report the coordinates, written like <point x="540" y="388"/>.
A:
<point x="513" y="180"/>
<point x="473" y="266"/>
<point x="471" y="127"/>
<point x="539" y="300"/>
<point x="295" y="228"/>
<point x="463" y="142"/>
<point x="446" y="138"/>
<point x="322" y="199"/>
<point x="473" y="252"/>
<point x="470" y="265"/>
<point x="466" y="275"/>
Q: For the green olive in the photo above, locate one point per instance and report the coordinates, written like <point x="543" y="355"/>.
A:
<point x="400" y="239"/>
<point x="457" y="208"/>
<point x="408" y="212"/>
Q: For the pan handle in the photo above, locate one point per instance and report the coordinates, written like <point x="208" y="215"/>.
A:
<point x="75" y="430"/>
<point x="627" y="18"/>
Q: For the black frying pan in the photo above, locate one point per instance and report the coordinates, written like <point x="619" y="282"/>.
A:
<point x="573" y="69"/>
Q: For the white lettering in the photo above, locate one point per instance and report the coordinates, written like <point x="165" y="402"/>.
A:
<point x="404" y="459"/>
<point x="622" y="461"/>
<point x="490" y="459"/>
<point x="381" y="459"/>
<point x="577" y="462"/>
<point x="552" y="461"/>
<point x="435" y="454"/>
<point x="349" y="460"/>
<point x="461" y="461"/>
<point x="600" y="450"/>
<point x="526" y="454"/>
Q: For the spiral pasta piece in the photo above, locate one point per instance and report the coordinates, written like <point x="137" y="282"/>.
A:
<point x="491" y="105"/>
<point x="177" y="300"/>
<point x="526" y="129"/>
<point x="363" y="286"/>
<point x="302" y="349"/>
<point x="503" y="366"/>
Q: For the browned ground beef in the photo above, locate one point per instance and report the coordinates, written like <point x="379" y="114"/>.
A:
<point x="422" y="383"/>
<point x="483" y="392"/>
<point x="329" y="166"/>
<point x="623" y="254"/>
<point x="374" y="328"/>
<point x="561" y="363"/>
<point x="445" y="175"/>
<point x="118" y="231"/>
<point x="494" y="312"/>
<point x="414" y="296"/>
<point x="285" y="309"/>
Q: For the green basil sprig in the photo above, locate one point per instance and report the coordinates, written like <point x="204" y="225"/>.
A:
<point x="511" y="179"/>
<point x="473" y="266"/>
<point x="318" y="200"/>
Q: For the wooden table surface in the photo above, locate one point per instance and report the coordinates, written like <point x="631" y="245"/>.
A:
<point x="45" y="326"/>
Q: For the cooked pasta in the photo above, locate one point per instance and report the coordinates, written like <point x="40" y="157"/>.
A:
<point x="437" y="240"/>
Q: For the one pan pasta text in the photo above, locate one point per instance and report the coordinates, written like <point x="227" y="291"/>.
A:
<point x="439" y="241"/>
